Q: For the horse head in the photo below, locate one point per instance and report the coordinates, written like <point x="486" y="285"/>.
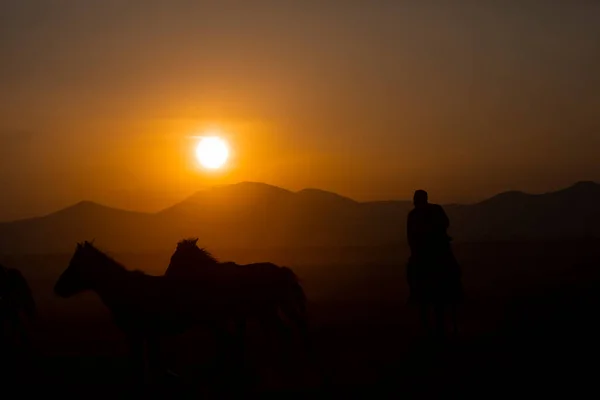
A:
<point x="81" y="271"/>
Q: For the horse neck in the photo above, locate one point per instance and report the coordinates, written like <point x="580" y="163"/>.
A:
<point x="112" y="283"/>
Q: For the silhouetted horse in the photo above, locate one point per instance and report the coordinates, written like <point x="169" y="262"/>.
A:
<point x="145" y="307"/>
<point x="434" y="280"/>
<point x="15" y="299"/>
<point x="268" y="293"/>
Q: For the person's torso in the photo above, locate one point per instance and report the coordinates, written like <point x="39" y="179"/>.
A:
<point x="429" y="228"/>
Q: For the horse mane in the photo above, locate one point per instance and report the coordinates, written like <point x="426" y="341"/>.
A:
<point x="192" y="244"/>
<point x="189" y="242"/>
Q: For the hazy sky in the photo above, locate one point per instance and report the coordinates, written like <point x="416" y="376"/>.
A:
<point x="371" y="99"/>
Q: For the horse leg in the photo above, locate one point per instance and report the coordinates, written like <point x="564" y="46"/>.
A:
<point x="424" y="314"/>
<point x="137" y="360"/>
<point x="21" y="333"/>
<point x="222" y="351"/>
<point x="239" y="339"/>
<point x="6" y="346"/>
<point x="221" y="339"/>
<point x="237" y="357"/>
<point x="439" y="320"/>
<point x="454" y="320"/>
<point x="155" y="359"/>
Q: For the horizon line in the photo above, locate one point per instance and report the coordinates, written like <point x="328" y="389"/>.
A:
<point x="92" y="202"/>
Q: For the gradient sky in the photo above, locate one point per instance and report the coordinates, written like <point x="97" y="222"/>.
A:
<point x="371" y="99"/>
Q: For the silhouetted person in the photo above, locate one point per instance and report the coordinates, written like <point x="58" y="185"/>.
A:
<point x="427" y="226"/>
<point x="433" y="274"/>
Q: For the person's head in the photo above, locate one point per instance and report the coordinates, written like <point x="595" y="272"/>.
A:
<point x="420" y="198"/>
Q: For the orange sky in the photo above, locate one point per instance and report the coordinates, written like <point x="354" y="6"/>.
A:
<point x="369" y="100"/>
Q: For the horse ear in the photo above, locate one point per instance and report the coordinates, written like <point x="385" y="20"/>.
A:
<point x="195" y="241"/>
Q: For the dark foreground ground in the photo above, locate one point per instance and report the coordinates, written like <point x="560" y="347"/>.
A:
<point x="529" y="326"/>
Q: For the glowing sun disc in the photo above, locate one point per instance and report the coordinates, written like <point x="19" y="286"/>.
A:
<point x="212" y="152"/>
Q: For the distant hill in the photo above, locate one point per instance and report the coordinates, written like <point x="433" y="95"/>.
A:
<point x="60" y="231"/>
<point x="569" y="213"/>
<point x="257" y="215"/>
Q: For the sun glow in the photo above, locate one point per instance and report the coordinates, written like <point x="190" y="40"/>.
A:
<point x="212" y="152"/>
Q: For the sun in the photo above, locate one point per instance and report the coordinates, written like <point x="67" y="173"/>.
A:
<point x="212" y="152"/>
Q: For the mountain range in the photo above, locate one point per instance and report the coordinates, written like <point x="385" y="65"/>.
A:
<point x="257" y="215"/>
